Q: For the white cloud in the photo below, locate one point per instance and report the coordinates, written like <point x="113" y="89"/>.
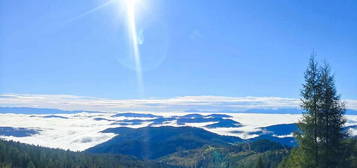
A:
<point x="351" y="104"/>
<point x="76" y="133"/>
<point x="202" y="103"/>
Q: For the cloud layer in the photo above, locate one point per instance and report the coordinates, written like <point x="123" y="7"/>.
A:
<point x="80" y="131"/>
<point x="192" y="103"/>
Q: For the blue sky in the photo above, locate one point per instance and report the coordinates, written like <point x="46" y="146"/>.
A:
<point x="189" y="48"/>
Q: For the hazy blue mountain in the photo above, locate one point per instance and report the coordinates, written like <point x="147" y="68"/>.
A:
<point x="220" y="119"/>
<point x="55" y="116"/>
<point x="102" y="119"/>
<point x="284" y="111"/>
<point x="288" y="141"/>
<point x="30" y="110"/>
<point x="138" y="115"/>
<point x="281" y="129"/>
<point x="131" y="122"/>
<point x="161" y="120"/>
<point x="219" y="116"/>
<point x="224" y="123"/>
<point x="198" y="118"/>
<point x="17" y="132"/>
<point x="271" y="133"/>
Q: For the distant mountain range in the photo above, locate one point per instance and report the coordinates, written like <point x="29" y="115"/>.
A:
<point x="31" y="110"/>
<point x="279" y="111"/>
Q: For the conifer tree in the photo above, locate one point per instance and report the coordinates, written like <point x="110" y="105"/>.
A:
<point x="308" y="137"/>
<point x="332" y="121"/>
<point x="321" y="132"/>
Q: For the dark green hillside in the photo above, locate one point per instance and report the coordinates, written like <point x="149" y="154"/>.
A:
<point x="155" y="142"/>
<point x="18" y="155"/>
<point x="244" y="155"/>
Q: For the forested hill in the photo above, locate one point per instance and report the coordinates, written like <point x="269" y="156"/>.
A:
<point x="241" y="155"/>
<point x="155" y="142"/>
<point x="18" y="155"/>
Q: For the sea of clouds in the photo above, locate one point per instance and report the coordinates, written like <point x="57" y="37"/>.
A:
<point x="80" y="131"/>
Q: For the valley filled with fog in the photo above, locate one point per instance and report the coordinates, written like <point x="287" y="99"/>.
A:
<point x="82" y="130"/>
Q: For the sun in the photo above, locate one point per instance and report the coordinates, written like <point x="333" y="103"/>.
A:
<point x="130" y="7"/>
<point x="131" y="2"/>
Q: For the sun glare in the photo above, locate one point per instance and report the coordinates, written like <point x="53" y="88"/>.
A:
<point x="130" y="7"/>
<point x="131" y="19"/>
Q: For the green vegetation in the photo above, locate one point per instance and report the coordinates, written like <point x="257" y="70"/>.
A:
<point x="243" y="155"/>
<point x="18" y="155"/>
<point x="349" y="152"/>
<point x="321" y="137"/>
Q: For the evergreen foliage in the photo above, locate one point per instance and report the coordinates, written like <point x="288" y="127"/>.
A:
<point x="321" y="132"/>
<point x="18" y="155"/>
<point x="261" y="153"/>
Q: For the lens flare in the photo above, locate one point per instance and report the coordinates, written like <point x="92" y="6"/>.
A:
<point x="134" y="40"/>
<point x="88" y="12"/>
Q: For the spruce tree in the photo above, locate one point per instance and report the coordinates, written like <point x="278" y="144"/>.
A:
<point x="321" y="131"/>
<point x="308" y="137"/>
<point x="332" y="121"/>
